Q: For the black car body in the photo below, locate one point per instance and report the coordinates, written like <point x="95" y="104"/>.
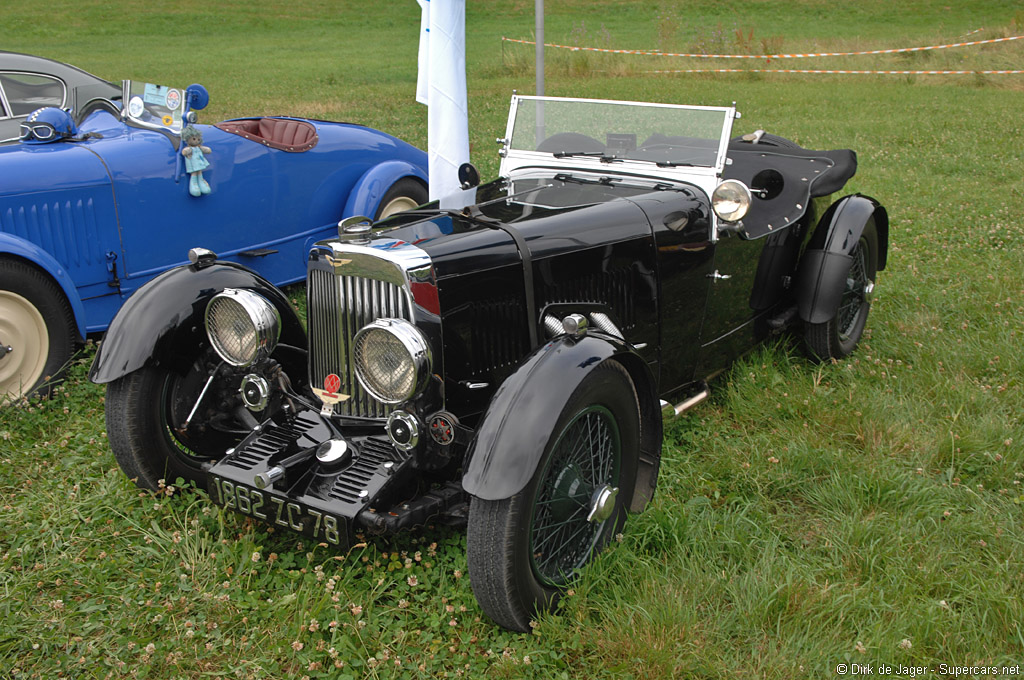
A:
<point x="507" y="364"/>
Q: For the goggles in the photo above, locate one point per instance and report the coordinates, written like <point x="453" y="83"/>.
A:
<point x="40" y="131"/>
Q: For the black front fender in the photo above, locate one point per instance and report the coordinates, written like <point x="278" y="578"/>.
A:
<point x="514" y="432"/>
<point x="826" y="261"/>
<point x="162" y="322"/>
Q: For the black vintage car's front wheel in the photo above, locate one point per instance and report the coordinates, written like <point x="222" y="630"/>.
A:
<point x="524" y="550"/>
<point x="147" y="413"/>
<point x="838" y="337"/>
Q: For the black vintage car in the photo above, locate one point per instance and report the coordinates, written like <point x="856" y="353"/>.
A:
<point x="505" y="365"/>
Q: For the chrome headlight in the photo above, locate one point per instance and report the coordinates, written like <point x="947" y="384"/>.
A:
<point x="731" y="200"/>
<point x="242" y="326"/>
<point x="392" y="360"/>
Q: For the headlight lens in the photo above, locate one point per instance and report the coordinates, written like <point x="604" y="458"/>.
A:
<point x="731" y="200"/>
<point x="392" y="360"/>
<point x="243" y="326"/>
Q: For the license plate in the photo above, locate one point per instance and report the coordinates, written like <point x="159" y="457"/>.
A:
<point x="278" y="511"/>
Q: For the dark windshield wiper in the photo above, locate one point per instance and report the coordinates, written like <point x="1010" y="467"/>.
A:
<point x="563" y="177"/>
<point x="675" y="164"/>
<point x="605" y="158"/>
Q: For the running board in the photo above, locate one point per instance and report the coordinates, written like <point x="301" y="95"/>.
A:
<point x="668" y="411"/>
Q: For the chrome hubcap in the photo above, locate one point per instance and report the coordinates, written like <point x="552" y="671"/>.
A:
<point x="602" y="503"/>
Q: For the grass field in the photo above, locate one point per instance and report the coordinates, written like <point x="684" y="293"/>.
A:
<point x="869" y="512"/>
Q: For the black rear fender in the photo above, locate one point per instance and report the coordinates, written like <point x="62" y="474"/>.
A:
<point x="826" y="262"/>
<point x="162" y="324"/>
<point x="513" y="433"/>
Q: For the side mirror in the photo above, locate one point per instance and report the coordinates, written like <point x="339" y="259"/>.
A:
<point x="469" y="176"/>
<point x="196" y="97"/>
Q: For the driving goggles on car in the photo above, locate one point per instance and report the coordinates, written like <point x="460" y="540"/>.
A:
<point x="40" y="131"/>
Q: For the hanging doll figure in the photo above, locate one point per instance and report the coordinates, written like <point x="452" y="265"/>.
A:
<point x="195" y="160"/>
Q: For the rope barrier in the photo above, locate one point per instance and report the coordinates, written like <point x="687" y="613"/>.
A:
<point x="793" y="70"/>
<point x="656" y="53"/>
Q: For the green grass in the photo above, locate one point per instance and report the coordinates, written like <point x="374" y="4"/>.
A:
<point x="864" y="512"/>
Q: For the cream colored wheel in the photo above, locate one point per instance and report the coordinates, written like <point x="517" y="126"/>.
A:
<point x="24" y="344"/>
<point x="405" y="194"/>
<point x="37" y="331"/>
<point x="400" y="204"/>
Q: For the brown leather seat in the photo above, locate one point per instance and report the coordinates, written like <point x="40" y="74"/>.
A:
<point x="286" y="134"/>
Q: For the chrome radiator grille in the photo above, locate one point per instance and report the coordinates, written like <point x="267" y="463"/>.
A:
<point x="338" y="306"/>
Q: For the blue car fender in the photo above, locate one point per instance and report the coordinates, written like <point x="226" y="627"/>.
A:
<point x="162" y="323"/>
<point x="26" y="250"/>
<point x="371" y="187"/>
<point x="826" y="261"/>
<point x="513" y="433"/>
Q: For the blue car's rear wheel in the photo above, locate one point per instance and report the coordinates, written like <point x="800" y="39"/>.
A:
<point x="405" y="194"/>
<point x="524" y="550"/>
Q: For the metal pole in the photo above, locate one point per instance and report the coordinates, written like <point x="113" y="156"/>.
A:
<point x="539" y="30"/>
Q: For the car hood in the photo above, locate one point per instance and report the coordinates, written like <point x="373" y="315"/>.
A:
<point x="29" y="169"/>
<point x="553" y="216"/>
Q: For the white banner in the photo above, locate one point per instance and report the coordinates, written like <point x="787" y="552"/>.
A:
<point x="441" y="85"/>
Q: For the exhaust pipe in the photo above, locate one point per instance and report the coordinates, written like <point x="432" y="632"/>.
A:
<point x="668" y="411"/>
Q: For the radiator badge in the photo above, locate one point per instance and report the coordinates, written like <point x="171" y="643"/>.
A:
<point x="336" y="262"/>
<point x="329" y="394"/>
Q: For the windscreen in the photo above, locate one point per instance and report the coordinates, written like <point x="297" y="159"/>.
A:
<point x="157" y="106"/>
<point x="671" y="135"/>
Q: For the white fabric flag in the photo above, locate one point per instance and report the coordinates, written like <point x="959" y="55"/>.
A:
<point x="441" y="85"/>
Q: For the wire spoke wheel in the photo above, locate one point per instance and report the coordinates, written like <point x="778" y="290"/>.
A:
<point x="162" y="427"/>
<point x="524" y="550"/>
<point x="585" y="458"/>
<point x="179" y="394"/>
<point x="837" y="337"/>
<point x="852" y="304"/>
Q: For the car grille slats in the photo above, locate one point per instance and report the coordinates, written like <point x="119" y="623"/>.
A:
<point x="373" y="454"/>
<point x="338" y="306"/>
<point x="272" y="440"/>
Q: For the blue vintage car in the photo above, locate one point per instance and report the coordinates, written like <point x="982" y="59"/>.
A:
<point x="94" y="205"/>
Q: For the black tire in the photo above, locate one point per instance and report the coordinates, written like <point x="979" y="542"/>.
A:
<point x="838" y="337"/>
<point x="144" y="411"/>
<point x="512" y="573"/>
<point x="405" y="194"/>
<point x="37" y="323"/>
